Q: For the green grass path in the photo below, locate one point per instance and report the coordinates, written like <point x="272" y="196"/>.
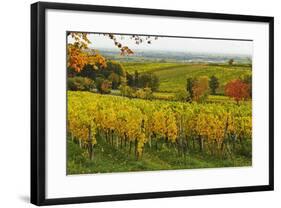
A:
<point x="109" y="159"/>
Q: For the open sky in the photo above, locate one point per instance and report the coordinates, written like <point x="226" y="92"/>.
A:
<point x="188" y="45"/>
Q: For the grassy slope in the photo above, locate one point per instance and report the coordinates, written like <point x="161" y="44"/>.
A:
<point x="173" y="76"/>
<point x="109" y="159"/>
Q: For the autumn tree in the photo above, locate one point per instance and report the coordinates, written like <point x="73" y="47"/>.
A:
<point x="79" y="54"/>
<point x="237" y="89"/>
<point x="77" y="57"/>
<point x="87" y="71"/>
<point x="200" y="88"/>
<point x="214" y="84"/>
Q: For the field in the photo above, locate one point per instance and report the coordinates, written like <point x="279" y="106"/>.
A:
<point x="129" y="134"/>
<point x="173" y="75"/>
<point x="141" y="67"/>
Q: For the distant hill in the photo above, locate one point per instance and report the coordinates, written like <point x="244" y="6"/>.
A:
<point x="170" y="56"/>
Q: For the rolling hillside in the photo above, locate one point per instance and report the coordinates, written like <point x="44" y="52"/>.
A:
<point x="173" y="75"/>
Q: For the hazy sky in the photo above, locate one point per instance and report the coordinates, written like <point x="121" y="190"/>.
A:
<point x="177" y="44"/>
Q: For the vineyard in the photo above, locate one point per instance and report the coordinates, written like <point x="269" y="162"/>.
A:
<point x="172" y="76"/>
<point x="133" y="128"/>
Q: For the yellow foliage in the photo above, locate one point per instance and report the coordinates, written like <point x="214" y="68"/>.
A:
<point x="140" y="120"/>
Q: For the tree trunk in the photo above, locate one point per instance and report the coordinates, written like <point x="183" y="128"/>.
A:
<point x="193" y="143"/>
<point x="201" y="143"/>
<point x="130" y="148"/>
<point x="136" y="147"/>
<point x="224" y="134"/>
<point x="117" y="141"/>
<point x="178" y="147"/>
<point x="80" y="143"/>
<point x="112" y="138"/>
<point x="90" y="146"/>
<point x="106" y="136"/>
<point x="187" y="143"/>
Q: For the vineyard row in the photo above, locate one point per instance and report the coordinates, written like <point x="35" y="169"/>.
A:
<point x="138" y="124"/>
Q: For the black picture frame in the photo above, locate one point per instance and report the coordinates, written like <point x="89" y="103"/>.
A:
<point x="38" y="102"/>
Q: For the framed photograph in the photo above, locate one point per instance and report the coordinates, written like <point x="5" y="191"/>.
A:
<point x="134" y="103"/>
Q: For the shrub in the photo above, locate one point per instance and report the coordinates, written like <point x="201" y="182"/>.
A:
<point x="103" y="85"/>
<point x="145" y="93"/>
<point x="126" y="91"/>
<point x="80" y="84"/>
<point x="183" y="96"/>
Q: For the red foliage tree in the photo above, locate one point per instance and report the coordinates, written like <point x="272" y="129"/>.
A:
<point x="237" y="89"/>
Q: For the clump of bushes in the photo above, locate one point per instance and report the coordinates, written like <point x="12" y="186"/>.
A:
<point x="126" y="91"/>
<point x="145" y="93"/>
<point x="182" y="95"/>
<point x="80" y="84"/>
<point x="103" y="85"/>
<point x="142" y="93"/>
